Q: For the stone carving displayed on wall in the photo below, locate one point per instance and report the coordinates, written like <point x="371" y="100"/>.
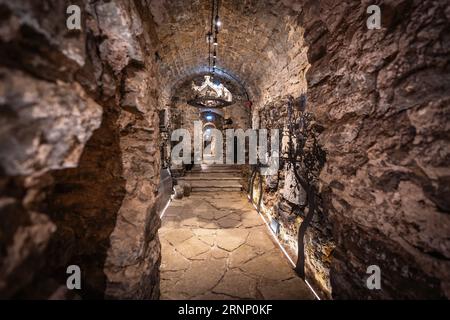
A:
<point x="293" y="191"/>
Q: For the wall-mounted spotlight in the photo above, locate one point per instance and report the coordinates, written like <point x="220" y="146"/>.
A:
<point x="209" y="117"/>
<point x="218" y="22"/>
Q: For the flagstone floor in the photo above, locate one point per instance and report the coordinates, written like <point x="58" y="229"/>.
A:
<point x="215" y="246"/>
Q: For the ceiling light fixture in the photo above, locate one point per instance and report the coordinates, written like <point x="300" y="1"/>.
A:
<point x="212" y="94"/>
<point x="218" y="22"/>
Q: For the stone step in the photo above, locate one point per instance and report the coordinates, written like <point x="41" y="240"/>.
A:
<point x="215" y="184"/>
<point x="234" y="171"/>
<point x="216" y="189"/>
<point x="214" y="176"/>
<point x="212" y="173"/>
<point x="216" y="167"/>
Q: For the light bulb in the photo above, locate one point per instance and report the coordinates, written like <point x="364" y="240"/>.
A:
<point x="218" y="23"/>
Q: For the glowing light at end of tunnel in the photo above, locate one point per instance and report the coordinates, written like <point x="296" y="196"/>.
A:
<point x="281" y="246"/>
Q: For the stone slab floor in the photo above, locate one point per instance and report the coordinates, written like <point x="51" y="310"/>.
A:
<point x="215" y="246"/>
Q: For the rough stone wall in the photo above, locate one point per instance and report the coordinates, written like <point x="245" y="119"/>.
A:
<point x="184" y="116"/>
<point x="383" y="99"/>
<point x="285" y="201"/>
<point x="79" y="153"/>
<point x="239" y="114"/>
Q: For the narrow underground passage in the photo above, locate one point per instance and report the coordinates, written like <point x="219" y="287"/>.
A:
<point x="87" y="115"/>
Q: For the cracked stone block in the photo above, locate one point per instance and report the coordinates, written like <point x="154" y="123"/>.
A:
<point x="202" y="256"/>
<point x="258" y="237"/>
<point x="189" y="222"/>
<point x="218" y="253"/>
<point x="229" y="222"/>
<point x="231" y="239"/>
<point x="206" y="224"/>
<point x="237" y="284"/>
<point x="173" y="260"/>
<point x="177" y="236"/>
<point x="269" y="266"/>
<point x="207" y="215"/>
<point x="171" y="275"/>
<point x="243" y="254"/>
<point x="208" y="239"/>
<point x="201" y="277"/>
<point x="291" y="289"/>
<point x="252" y="220"/>
<point x="192" y="247"/>
<point x="221" y="214"/>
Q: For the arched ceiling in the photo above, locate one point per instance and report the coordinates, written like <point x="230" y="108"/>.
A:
<point x="256" y="38"/>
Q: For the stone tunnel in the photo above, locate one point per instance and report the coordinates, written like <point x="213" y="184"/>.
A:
<point x="87" y="178"/>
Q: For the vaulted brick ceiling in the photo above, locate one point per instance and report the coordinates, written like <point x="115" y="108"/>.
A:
<point x="256" y="41"/>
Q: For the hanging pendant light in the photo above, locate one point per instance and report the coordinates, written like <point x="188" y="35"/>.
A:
<point x="210" y="94"/>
